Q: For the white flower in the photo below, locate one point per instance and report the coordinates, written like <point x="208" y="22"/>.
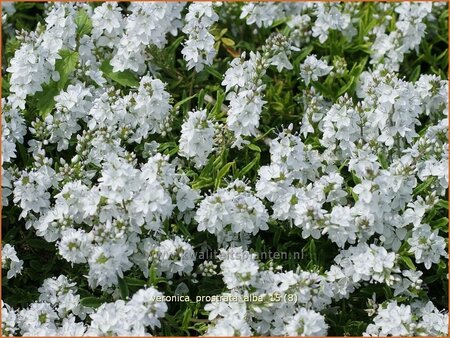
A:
<point x="10" y="261"/>
<point x="232" y="209"/>
<point x="9" y="320"/>
<point x="13" y="130"/>
<point x="306" y="323"/>
<point x="111" y="319"/>
<point x="152" y="107"/>
<point x="107" y="24"/>
<point x="197" y="137"/>
<point x="199" y="49"/>
<point x="392" y="319"/>
<point x="173" y="257"/>
<point x="312" y="69"/>
<point x="263" y="14"/>
<point x="74" y="245"/>
<point x="145" y="307"/>
<point x="433" y="321"/>
<point x="70" y="327"/>
<point x="148" y="24"/>
<point x="62" y="294"/>
<point x="426" y="245"/>
<point x="239" y="267"/>
<point x="107" y="263"/>
<point x="230" y="326"/>
<point x="33" y="63"/>
<point x="39" y="316"/>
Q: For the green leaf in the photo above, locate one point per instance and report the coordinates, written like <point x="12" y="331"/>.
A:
<point x="260" y="137"/>
<point x="91" y="302"/>
<point x="131" y="281"/>
<point x="36" y="265"/>
<point x="249" y="166"/>
<point x="228" y="42"/>
<point x="83" y="22"/>
<point x="125" y="78"/>
<point x="277" y="236"/>
<point x="180" y="103"/>
<point x="415" y="74"/>
<point x="431" y="279"/>
<point x="202" y="183"/>
<point x="441" y="224"/>
<point x="216" y="111"/>
<point x="354" y="195"/>
<point x="409" y="263"/>
<point x="123" y="287"/>
<point x="174" y="45"/>
<point x="186" y="318"/>
<point x="442" y="204"/>
<point x="65" y="66"/>
<point x="201" y="98"/>
<point x="222" y="172"/>
<point x="166" y="146"/>
<point x="303" y="54"/>
<point x="183" y="230"/>
<point x="324" y="90"/>
<point x="383" y="161"/>
<point x="312" y="251"/>
<point x="152" y="278"/>
<point x="423" y="186"/>
<point x="214" y="72"/>
<point x="346" y="87"/>
<point x="254" y="147"/>
<point x="355" y="178"/>
<point x="173" y="151"/>
<point x="358" y="68"/>
<point x="45" y="98"/>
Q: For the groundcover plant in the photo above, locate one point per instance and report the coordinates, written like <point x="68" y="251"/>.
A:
<point x="224" y="169"/>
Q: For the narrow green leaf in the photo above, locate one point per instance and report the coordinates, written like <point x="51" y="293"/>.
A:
<point x="125" y="78"/>
<point x="442" y="204"/>
<point x="260" y="137"/>
<point x="423" y="186"/>
<point x="131" y="281"/>
<point x="83" y="22"/>
<point x="249" y="166"/>
<point x="180" y="103"/>
<point x="303" y="54"/>
<point x="415" y="74"/>
<point x="91" y="302"/>
<point x="217" y="109"/>
<point x="222" y="172"/>
<point x="346" y="87"/>
<point x="325" y="91"/>
<point x="186" y="318"/>
<point x="441" y="224"/>
<point x="409" y="263"/>
<point x="214" y="72"/>
<point x="228" y="42"/>
<point x="254" y="147"/>
<point x="152" y="278"/>
<point x="383" y="161"/>
<point x="123" y="287"/>
<point x="202" y="183"/>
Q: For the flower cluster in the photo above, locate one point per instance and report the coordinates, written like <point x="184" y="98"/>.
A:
<point x="225" y="169"/>
<point x="199" y="49"/>
<point x="10" y="261"/>
<point x="57" y="313"/>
